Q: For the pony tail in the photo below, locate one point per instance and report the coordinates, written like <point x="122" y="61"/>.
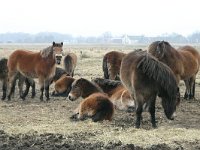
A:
<point x="105" y="68"/>
<point x="68" y="64"/>
<point x="161" y="73"/>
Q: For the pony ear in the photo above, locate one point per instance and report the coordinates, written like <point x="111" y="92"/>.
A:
<point x="54" y="43"/>
<point x="61" y="43"/>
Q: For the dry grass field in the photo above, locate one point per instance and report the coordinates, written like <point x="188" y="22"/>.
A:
<point x="32" y="124"/>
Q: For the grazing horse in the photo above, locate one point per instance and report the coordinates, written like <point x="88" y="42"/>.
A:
<point x="70" y="62"/>
<point x="111" y="64"/>
<point x="96" y="104"/>
<point x="31" y="64"/>
<point x="184" y="62"/>
<point x="119" y="96"/>
<point x="4" y="76"/>
<point x="63" y="86"/>
<point x="145" y="77"/>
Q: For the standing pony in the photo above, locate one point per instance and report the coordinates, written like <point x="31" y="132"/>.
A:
<point x="117" y="93"/>
<point x="96" y="104"/>
<point x="35" y="65"/>
<point x="70" y="62"/>
<point x="184" y="62"/>
<point x="145" y="78"/>
<point x="111" y="64"/>
<point x="20" y="77"/>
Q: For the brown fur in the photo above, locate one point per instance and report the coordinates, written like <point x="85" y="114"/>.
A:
<point x="63" y="86"/>
<point x="111" y="64"/>
<point x="117" y="93"/>
<point x="35" y="65"/>
<point x="96" y="104"/>
<point x="184" y="62"/>
<point x="70" y="62"/>
<point x="145" y="78"/>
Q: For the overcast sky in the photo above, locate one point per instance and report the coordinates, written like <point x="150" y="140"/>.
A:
<point x="93" y="17"/>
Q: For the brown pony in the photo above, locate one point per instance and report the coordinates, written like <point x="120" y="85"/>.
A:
<point x="96" y="104"/>
<point x="184" y="62"/>
<point x="119" y="96"/>
<point x="70" y="62"/>
<point x="63" y="86"/>
<point x="111" y="64"/>
<point x="4" y="78"/>
<point x="145" y="78"/>
<point x="40" y="65"/>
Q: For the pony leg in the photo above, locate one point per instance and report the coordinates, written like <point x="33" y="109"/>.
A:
<point x="20" y="86"/>
<point x="47" y="90"/>
<point x="42" y="91"/>
<point x="139" y="109"/>
<point x="187" y="90"/>
<point x="27" y="88"/>
<point x="192" y="87"/>
<point x="4" y="88"/>
<point x="152" y="111"/>
<point x="12" y="81"/>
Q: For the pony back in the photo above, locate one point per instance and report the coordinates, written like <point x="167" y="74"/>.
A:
<point x="161" y="73"/>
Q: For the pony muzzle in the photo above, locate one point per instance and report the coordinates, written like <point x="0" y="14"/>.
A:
<point x="58" y="58"/>
<point x="71" y="97"/>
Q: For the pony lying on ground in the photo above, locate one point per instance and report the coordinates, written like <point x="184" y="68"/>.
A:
<point x="145" y="78"/>
<point x="111" y="64"/>
<point x="117" y="93"/>
<point x="184" y="62"/>
<point x="70" y="62"/>
<point x="42" y="66"/>
<point x="63" y="86"/>
<point x="95" y="105"/>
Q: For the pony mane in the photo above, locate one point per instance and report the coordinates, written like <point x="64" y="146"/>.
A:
<point x="89" y="83"/>
<point x="161" y="73"/>
<point x="107" y="82"/>
<point x="46" y="51"/>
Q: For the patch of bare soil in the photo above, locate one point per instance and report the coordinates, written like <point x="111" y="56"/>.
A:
<point x="59" y="142"/>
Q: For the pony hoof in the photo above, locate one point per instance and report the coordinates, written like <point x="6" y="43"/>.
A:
<point x="3" y="98"/>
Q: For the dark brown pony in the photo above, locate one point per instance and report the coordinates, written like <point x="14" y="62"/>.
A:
<point x="145" y="78"/>
<point x="184" y="62"/>
<point x="117" y="93"/>
<point x="96" y="104"/>
<point x="58" y="74"/>
<point x="31" y="64"/>
<point x="111" y="64"/>
<point x="70" y="62"/>
<point x="63" y="86"/>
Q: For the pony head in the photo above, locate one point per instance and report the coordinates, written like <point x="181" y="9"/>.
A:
<point x="76" y="90"/>
<point x="158" y="48"/>
<point x="169" y="104"/>
<point x="58" y="51"/>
